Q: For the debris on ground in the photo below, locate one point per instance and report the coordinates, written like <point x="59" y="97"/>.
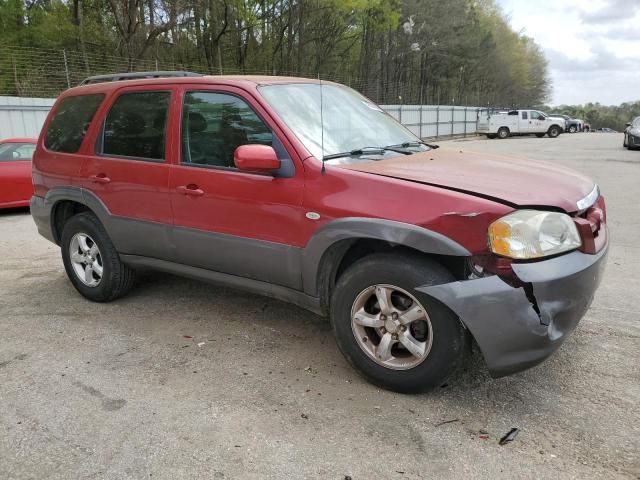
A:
<point x="447" y="421"/>
<point x="305" y="416"/>
<point x="509" y="437"/>
<point x="187" y="336"/>
<point x="201" y="344"/>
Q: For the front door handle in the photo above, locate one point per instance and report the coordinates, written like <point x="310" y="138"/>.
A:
<point x="100" y="178"/>
<point x="190" y="189"/>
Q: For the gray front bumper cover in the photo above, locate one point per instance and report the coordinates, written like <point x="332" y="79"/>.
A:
<point x="510" y="333"/>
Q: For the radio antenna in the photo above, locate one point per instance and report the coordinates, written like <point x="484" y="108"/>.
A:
<point x="321" y="125"/>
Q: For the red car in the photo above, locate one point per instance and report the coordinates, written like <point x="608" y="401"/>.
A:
<point x="16" y="188"/>
<point x="310" y="193"/>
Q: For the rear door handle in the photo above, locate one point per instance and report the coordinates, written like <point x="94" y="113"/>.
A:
<point x="100" y="178"/>
<point x="190" y="189"/>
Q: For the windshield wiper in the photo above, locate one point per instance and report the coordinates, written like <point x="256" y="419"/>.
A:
<point x="415" y="143"/>
<point x="368" y="151"/>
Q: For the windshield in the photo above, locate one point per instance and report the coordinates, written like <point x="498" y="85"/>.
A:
<point x="636" y="122"/>
<point x="350" y="121"/>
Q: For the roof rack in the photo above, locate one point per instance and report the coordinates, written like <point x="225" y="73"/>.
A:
<point x="115" y="77"/>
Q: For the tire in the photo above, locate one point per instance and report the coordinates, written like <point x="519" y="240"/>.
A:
<point x="540" y="135"/>
<point x="491" y="135"/>
<point x="573" y="129"/>
<point x="503" y="132"/>
<point x="108" y="278"/>
<point x="625" y="142"/>
<point x="449" y="341"/>
<point x="554" y="131"/>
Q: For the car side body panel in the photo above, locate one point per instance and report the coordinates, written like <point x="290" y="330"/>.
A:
<point x="16" y="186"/>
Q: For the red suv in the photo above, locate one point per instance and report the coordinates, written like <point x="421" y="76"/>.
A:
<point x="308" y="192"/>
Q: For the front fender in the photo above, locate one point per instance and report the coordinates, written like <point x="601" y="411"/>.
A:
<point x="399" y="233"/>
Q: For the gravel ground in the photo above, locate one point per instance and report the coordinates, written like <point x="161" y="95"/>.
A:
<point x="185" y="380"/>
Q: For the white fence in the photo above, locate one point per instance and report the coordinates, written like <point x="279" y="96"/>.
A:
<point x="434" y="121"/>
<point x="23" y="117"/>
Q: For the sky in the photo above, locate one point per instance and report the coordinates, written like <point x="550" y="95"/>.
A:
<point x="593" y="46"/>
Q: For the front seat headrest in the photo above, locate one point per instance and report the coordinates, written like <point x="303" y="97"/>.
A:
<point x="197" y="122"/>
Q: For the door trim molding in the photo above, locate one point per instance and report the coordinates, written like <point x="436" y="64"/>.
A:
<point x="254" y="286"/>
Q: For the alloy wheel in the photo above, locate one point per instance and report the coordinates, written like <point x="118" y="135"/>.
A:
<point x="86" y="259"/>
<point x="391" y="327"/>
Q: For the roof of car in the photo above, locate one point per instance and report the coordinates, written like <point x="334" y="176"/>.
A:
<point x="237" y="80"/>
<point x="19" y="140"/>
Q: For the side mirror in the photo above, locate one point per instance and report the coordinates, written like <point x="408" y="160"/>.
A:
<point x="256" y="158"/>
<point x="628" y="124"/>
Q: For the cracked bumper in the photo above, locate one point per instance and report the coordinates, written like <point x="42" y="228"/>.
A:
<point x="510" y="333"/>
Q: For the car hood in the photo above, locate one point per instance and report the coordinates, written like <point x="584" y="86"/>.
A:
<point x="516" y="182"/>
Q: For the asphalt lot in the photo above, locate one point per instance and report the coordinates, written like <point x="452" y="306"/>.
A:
<point x="186" y="380"/>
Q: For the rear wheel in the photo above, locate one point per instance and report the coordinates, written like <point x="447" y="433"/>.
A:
<point x="503" y="132"/>
<point x="573" y="129"/>
<point x="397" y="338"/>
<point x="554" y="131"/>
<point x="92" y="262"/>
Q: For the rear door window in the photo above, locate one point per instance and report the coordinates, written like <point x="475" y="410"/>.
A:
<point x="524" y="115"/>
<point x="70" y="122"/>
<point x="135" y="126"/>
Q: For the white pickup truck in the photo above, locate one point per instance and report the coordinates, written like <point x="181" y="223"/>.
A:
<point x="503" y="124"/>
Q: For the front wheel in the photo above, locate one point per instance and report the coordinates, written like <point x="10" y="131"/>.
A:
<point x="91" y="260"/>
<point x="396" y="337"/>
<point x="554" y="131"/>
<point x="503" y="132"/>
<point x="573" y="129"/>
<point x="625" y="142"/>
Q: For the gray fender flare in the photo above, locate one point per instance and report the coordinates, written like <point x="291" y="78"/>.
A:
<point x="79" y="195"/>
<point x="399" y="233"/>
<point x="129" y="235"/>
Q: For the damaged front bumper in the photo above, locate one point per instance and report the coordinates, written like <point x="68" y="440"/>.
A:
<point x="515" y="331"/>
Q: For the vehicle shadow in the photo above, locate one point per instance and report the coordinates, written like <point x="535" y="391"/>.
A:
<point x="7" y="212"/>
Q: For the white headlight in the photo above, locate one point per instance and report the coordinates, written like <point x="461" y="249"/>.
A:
<point x="526" y="234"/>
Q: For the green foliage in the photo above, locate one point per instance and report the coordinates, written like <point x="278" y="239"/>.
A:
<point x="599" y="116"/>
<point x="394" y="51"/>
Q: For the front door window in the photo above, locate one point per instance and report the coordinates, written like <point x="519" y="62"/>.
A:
<point x="215" y="124"/>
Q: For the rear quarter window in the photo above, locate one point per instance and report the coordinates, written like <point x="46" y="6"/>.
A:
<point x="70" y="122"/>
